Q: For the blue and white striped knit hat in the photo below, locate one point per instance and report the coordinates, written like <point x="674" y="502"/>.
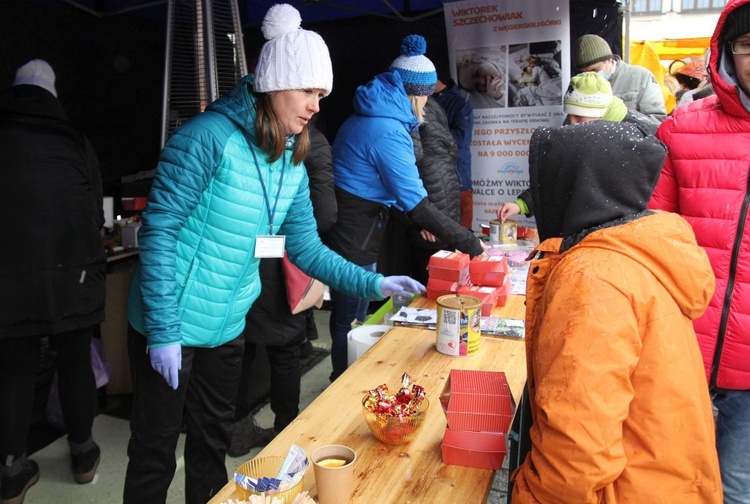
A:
<point x="416" y="70"/>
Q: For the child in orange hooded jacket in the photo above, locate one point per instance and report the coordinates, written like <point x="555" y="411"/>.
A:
<point x="619" y="400"/>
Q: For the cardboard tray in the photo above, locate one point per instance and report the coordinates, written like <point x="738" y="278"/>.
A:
<point x="485" y="450"/>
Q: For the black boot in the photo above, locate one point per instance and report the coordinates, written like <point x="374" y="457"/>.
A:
<point x="310" y="326"/>
<point x="85" y="464"/>
<point x="247" y="435"/>
<point x="305" y="350"/>
<point x="13" y="488"/>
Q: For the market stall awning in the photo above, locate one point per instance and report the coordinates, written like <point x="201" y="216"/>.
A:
<point x="676" y="48"/>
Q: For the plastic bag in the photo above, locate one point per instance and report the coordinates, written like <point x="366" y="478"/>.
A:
<point x="102" y="372"/>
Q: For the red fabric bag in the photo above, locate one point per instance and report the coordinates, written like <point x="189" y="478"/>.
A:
<point x="302" y="291"/>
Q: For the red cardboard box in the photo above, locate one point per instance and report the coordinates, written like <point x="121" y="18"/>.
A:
<point x="134" y="203"/>
<point x="502" y="293"/>
<point x="444" y="285"/>
<point x="446" y="265"/>
<point x="526" y="233"/>
<point x="479" y="408"/>
<point x="451" y="275"/>
<point x="449" y="260"/>
<point x="474" y="449"/>
<point x="437" y="287"/>
<point x="487" y="293"/>
<point x="488" y="270"/>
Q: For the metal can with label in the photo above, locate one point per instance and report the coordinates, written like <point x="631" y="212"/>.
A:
<point x="509" y="232"/>
<point x="458" y="325"/>
<point x="495" y="231"/>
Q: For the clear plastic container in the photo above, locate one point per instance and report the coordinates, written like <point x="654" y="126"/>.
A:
<point x="268" y="467"/>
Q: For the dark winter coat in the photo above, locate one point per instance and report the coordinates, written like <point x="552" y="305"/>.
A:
<point x="460" y="116"/>
<point x="437" y="168"/>
<point x="52" y="262"/>
<point x="269" y="321"/>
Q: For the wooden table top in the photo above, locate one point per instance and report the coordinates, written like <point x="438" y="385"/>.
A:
<point x="414" y="472"/>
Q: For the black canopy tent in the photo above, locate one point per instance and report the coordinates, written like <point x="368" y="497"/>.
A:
<point x="109" y="57"/>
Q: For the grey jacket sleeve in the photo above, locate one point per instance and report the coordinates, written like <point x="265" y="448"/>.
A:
<point x="651" y="101"/>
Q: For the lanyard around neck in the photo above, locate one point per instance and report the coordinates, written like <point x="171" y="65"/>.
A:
<point x="271" y="212"/>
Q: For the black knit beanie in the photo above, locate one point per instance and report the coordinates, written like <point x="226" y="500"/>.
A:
<point x="736" y="24"/>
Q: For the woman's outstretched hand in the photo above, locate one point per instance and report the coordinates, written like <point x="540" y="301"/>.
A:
<point x="400" y="286"/>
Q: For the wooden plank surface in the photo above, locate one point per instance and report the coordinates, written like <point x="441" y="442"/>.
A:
<point x="414" y="472"/>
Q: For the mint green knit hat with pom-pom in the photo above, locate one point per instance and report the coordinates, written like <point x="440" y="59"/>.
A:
<point x="588" y="95"/>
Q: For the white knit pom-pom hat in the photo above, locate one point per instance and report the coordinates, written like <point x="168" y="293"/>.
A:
<point x="292" y="58"/>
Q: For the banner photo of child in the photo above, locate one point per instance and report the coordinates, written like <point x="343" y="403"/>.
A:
<point x="534" y="76"/>
<point x="481" y="74"/>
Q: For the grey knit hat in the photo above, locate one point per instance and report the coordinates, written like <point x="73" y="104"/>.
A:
<point x="590" y="49"/>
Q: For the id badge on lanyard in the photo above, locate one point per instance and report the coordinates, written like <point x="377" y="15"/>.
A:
<point x="270" y="245"/>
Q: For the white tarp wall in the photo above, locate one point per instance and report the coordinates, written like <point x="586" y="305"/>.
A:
<point x="511" y="59"/>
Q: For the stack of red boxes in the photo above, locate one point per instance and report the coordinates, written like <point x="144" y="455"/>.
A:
<point x="490" y="275"/>
<point x="488" y="270"/>
<point x="479" y="409"/>
<point x="485" y="278"/>
<point x="447" y="272"/>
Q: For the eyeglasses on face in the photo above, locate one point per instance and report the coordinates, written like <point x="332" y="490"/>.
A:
<point x="740" y="47"/>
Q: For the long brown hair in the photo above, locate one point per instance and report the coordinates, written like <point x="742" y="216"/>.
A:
<point x="271" y="133"/>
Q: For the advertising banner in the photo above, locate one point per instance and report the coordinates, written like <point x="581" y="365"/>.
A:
<point x="510" y="59"/>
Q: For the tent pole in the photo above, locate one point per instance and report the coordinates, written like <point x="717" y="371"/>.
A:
<point x="167" y="66"/>
<point x="626" y="50"/>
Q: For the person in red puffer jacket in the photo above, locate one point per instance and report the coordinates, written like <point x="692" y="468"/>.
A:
<point x="706" y="179"/>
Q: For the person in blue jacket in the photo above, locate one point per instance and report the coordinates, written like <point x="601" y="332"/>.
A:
<point x="230" y="189"/>
<point x="375" y="168"/>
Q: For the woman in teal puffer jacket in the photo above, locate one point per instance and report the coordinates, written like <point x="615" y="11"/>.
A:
<point x="230" y="188"/>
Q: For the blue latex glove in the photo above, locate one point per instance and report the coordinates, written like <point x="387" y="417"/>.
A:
<point x="400" y="286"/>
<point x="167" y="361"/>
